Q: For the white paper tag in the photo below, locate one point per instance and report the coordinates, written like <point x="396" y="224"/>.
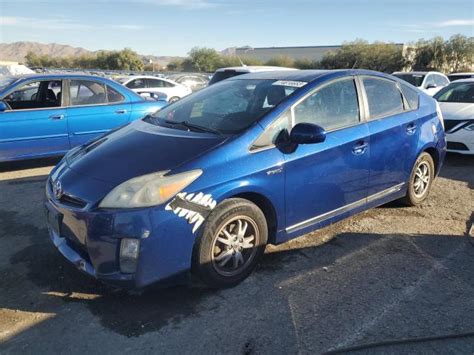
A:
<point x="292" y="83"/>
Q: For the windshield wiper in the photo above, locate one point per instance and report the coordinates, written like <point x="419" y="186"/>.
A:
<point x="193" y="127"/>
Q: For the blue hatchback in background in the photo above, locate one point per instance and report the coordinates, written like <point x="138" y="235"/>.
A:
<point x="204" y="184"/>
<point x="46" y="115"/>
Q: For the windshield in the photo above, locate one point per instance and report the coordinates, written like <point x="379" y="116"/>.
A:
<point x="461" y="92"/>
<point x="6" y="81"/>
<point x="228" y="107"/>
<point x="414" y="79"/>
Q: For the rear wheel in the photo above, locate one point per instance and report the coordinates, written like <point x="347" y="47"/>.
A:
<point x="232" y="241"/>
<point x="421" y="179"/>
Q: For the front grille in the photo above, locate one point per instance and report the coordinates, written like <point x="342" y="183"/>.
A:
<point x="72" y="201"/>
<point x="457" y="146"/>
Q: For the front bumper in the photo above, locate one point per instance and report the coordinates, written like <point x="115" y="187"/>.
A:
<point x="461" y="141"/>
<point x="90" y="239"/>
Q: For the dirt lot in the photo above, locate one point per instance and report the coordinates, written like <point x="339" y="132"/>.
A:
<point x="388" y="274"/>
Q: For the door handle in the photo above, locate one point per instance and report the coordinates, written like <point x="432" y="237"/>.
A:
<point x="121" y="112"/>
<point x="360" y="148"/>
<point x="56" y="117"/>
<point x="411" y="128"/>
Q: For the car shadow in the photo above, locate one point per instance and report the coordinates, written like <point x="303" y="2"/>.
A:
<point x="28" y="164"/>
<point x="459" y="167"/>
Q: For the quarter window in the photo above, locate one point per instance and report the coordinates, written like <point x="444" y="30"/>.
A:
<point x="332" y="107"/>
<point x="272" y="133"/>
<point x="411" y="96"/>
<point x="383" y="97"/>
<point x="87" y="92"/>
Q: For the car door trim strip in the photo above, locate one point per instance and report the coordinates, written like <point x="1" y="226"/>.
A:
<point x="344" y="209"/>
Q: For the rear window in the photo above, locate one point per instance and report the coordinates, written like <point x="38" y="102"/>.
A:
<point x="383" y="97"/>
<point x="414" y="79"/>
<point x="222" y="75"/>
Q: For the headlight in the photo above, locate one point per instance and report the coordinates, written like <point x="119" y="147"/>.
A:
<point x="470" y="127"/>
<point x="148" y="190"/>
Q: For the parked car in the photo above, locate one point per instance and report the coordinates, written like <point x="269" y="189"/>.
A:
<point x="37" y="120"/>
<point x="142" y="83"/>
<point x="457" y="105"/>
<point x="193" y="81"/>
<point x="458" y="76"/>
<point x="230" y="72"/>
<point x="256" y="159"/>
<point x="429" y="82"/>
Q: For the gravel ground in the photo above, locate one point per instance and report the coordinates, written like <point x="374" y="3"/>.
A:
<point x="389" y="274"/>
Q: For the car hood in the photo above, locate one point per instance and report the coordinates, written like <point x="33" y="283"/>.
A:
<point x="457" y="110"/>
<point x="138" y="149"/>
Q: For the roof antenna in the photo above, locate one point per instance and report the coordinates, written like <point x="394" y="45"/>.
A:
<point x="241" y="63"/>
<point x="353" y="66"/>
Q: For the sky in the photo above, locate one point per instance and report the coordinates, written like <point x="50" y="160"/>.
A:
<point x="173" y="27"/>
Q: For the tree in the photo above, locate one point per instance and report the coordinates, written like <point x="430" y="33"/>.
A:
<point x="460" y="53"/>
<point x="306" y="63"/>
<point x="202" y="59"/>
<point x="281" y="61"/>
<point x="384" y="57"/>
<point x="175" y="65"/>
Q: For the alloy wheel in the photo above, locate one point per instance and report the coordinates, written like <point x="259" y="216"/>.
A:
<point x="422" y="178"/>
<point x="234" y="246"/>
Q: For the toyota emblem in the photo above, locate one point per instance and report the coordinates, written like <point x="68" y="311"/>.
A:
<point x="57" y="189"/>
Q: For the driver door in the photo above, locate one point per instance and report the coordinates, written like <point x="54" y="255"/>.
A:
<point x="325" y="180"/>
<point x="35" y="124"/>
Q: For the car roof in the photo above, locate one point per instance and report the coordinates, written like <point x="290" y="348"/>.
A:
<point x="417" y="72"/>
<point x="254" y="68"/>
<point x="305" y="75"/>
<point x="461" y="74"/>
<point x="467" y="80"/>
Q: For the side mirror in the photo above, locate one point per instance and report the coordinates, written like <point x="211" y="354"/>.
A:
<point x="3" y="106"/>
<point x="307" y="133"/>
<point x="431" y="86"/>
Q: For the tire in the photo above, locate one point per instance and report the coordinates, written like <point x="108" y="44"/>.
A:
<point x="173" y="99"/>
<point x="216" y="251"/>
<point x="421" y="180"/>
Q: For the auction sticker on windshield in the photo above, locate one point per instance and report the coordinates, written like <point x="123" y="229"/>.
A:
<point x="291" y="83"/>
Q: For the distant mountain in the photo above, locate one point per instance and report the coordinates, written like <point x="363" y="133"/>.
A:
<point x="17" y="51"/>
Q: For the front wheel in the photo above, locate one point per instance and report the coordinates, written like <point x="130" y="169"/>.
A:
<point x="232" y="241"/>
<point x="421" y="179"/>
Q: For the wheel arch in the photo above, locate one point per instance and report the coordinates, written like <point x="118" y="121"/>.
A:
<point x="267" y="208"/>
<point x="433" y="152"/>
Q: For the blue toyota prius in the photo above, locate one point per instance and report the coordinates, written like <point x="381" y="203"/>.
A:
<point x="45" y="115"/>
<point x="203" y="185"/>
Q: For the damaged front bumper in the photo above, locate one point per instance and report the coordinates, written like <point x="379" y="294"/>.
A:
<point x="91" y="239"/>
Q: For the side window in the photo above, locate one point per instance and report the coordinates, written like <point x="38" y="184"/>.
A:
<point x="87" y="92"/>
<point x="154" y="83"/>
<point x="411" y="96"/>
<point x="383" y="97"/>
<point x="36" y="94"/>
<point x="331" y="107"/>
<point x="136" y="84"/>
<point x="113" y="95"/>
<point x="430" y="80"/>
<point x="269" y="137"/>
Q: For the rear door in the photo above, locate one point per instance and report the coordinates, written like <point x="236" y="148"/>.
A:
<point x="394" y="133"/>
<point x="327" y="179"/>
<point x="94" y="109"/>
<point x="36" y="123"/>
